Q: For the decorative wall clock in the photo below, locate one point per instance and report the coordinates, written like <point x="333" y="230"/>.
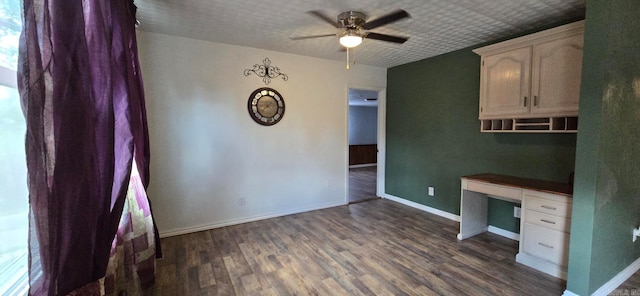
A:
<point x="266" y="106"/>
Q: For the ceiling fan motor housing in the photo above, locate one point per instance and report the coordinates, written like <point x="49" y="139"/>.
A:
<point x="352" y="19"/>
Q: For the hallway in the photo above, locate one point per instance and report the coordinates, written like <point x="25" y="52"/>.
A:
<point x="362" y="184"/>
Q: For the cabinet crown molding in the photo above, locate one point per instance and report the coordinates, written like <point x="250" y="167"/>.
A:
<point x="528" y="40"/>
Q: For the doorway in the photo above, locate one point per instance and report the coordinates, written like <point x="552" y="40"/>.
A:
<point x="363" y="147"/>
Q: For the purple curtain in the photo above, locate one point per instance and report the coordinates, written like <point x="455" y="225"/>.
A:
<point x="82" y="96"/>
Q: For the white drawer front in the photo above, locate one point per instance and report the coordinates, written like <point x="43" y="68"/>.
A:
<point x="548" y="221"/>
<point x="547" y="244"/>
<point x="495" y="190"/>
<point x="550" y="207"/>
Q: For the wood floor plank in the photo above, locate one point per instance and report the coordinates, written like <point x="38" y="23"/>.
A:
<point x="423" y="272"/>
<point x="331" y="287"/>
<point x="383" y="267"/>
<point x="205" y="275"/>
<point x="377" y="247"/>
<point x="362" y="184"/>
<point x="630" y="287"/>
<point x="376" y="286"/>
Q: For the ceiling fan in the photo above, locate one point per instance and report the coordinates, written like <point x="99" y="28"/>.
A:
<point x="353" y="28"/>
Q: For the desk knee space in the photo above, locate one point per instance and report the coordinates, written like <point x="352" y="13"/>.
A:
<point x="473" y="205"/>
<point x="544" y="226"/>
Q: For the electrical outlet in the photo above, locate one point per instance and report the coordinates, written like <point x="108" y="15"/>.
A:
<point x="516" y="212"/>
<point x="431" y="191"/>
<point x="242" y="201"/>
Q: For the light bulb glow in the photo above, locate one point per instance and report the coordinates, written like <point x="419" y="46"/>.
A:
<point x="350" y="39"/>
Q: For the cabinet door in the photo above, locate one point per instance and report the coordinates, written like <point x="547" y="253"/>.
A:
<point x="556" y="73"/>
<point x="505" y="84"/>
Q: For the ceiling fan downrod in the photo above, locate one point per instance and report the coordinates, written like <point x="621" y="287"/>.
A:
<point x="352" y="19"/>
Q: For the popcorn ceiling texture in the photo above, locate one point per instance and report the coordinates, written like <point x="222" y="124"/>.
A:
<point x="435" y="26"/>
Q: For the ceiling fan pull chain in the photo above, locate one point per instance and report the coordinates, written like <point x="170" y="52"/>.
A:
<point x="347" y="58"/>
<point x="354" y="56"/>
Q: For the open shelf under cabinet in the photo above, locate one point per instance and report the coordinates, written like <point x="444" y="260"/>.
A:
<point x="530" y="125"/>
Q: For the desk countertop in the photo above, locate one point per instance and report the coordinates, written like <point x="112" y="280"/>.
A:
<point x="524" y="183"/>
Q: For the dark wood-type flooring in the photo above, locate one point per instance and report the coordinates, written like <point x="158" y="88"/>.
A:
<point x="362" y="184"/>
<point x="377" y="247"/>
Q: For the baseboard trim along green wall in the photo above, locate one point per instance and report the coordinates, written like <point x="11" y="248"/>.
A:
<point x="493" y="229"/>
<point x="613" y="283"/>
<point x="617" y="280"/>
<point x="422" y="207"/>
<point x="433" y="138"/>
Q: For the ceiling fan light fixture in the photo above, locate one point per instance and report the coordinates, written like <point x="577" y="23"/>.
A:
<point x="354" y="28"/>
<point x="350" y="39"/>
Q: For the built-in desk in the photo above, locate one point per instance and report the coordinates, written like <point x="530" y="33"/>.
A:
<point x="545" y="218"/>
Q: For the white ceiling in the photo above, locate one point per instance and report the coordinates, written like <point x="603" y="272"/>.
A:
<point x="435" y="26"/>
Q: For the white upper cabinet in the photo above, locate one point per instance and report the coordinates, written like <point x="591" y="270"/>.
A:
<point x="557" y="70"/>
<point x="533" y="76"/>
<point x="505" y="83"/>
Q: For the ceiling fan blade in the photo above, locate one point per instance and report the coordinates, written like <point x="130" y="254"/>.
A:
<point x="311" y="36"/>
<point x="324" y="17"/>
<point x="387" y="19"/>
<point x="388" y="38"/>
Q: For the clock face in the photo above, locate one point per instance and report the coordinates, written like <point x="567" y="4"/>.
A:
<point x="266" y="106"/>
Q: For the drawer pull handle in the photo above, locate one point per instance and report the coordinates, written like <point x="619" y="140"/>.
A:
<point x="547" y="221"/>
<point x="548" y="207"/>
<point x="545" y="245"/>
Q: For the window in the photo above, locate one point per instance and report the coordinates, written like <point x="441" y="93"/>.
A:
<point x="13" y="171"/>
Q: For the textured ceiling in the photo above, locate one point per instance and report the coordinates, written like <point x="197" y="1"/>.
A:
<point x="435" y="26"/>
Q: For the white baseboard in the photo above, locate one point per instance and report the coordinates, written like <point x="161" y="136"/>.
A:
<point x="191" y="229"/>
<point x="613" y="283"/>
<point x="441" y="213"/>
<point x="470" y="233"/>
<point x="418" y="206"/>
<point x="502" y="232"/>
<point x="364" y="165"/>
<point x="617" y="280"/>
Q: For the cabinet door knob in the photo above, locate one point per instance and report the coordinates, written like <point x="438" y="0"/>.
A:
<point x="525" y="101"/>
<point x="548" y="207"/>
<point x="535" y="100"/>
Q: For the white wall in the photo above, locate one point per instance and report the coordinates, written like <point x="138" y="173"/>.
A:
<point x="363" y="125"/>
<point x="207" y="153"/>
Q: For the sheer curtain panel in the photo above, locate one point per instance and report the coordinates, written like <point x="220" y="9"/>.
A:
<point x="83" y="101"/>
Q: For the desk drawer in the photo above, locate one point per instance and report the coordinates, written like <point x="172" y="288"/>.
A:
<point x="548" y="221"/>
<point x="495" y="190"/>
<point x="547" y="206"/>
<point x="546" y="244"/>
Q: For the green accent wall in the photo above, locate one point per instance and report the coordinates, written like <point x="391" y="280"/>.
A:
<point x="606" y="204"/>
<point x="433" y="137"/>
<point x="500" y="214"/>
